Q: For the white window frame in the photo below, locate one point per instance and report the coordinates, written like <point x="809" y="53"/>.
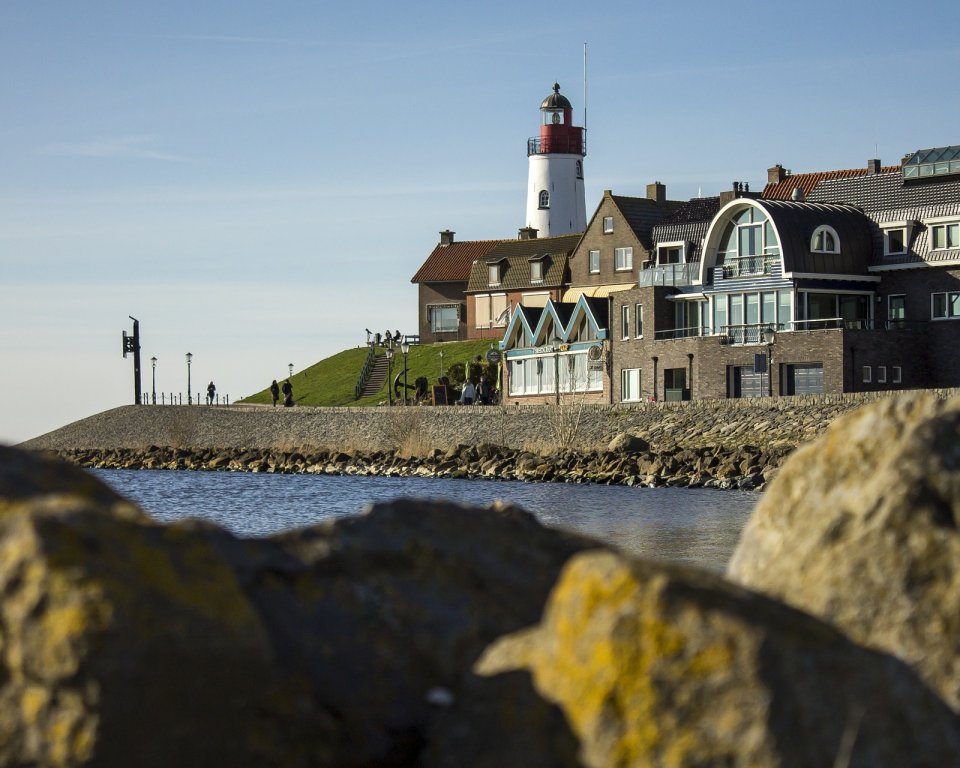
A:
<point x="627" y="395"/>
<point x="536" y="271"/>
<point x="822" y="231"/>
<point x="590" y="263"/>
<point x="638" y="317"/>
<point x="625" y="322"/>
<point x="946" y="226"/>
<point x="544" y="199"/>
<point x="950" y="297"/>
<point x="626" y="252"/>
<point x="493" y="274"/>
<point x="676" y="244"/>
<point x="439" y="307"/>
<point x="905" y="228"/>
<point x="608" y="225"/>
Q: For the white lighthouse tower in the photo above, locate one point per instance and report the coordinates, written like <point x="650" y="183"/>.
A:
<point x="556" y="204"/>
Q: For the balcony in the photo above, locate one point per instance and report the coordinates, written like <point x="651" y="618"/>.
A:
<point x="669" y="275"/>
<point x="746" y="266"/>
<point x="558" y="145"/>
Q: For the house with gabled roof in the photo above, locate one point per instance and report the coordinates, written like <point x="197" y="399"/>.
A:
<point x="824" y="283"/>
<point x="528" y="271"/>
<point x="442" y="282"/>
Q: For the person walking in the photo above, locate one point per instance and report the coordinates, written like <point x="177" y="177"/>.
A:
<point x="275" y="392"/>
<point x="287" y="394"/>
<point x="211" y="393"/>
<point x="483" y="391"/>
<point x="469" y="393"/>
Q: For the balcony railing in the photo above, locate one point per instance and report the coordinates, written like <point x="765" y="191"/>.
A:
<point x="744" y="266"/>
<point x="559" y="145"/>
<point x="753" y="333"/>
<point x="669" y="274"/>
<point x="681" y="333"/>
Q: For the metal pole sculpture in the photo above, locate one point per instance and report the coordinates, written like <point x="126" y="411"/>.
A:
<point x="132" y="344"/>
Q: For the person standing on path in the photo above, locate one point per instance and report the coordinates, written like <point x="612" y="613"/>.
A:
<point x="287" y="394"/>
<point x="211" y="393"/>
<point x="275" y="392"/>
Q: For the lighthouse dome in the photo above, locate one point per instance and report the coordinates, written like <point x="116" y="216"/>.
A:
<point x="555" y="100"/>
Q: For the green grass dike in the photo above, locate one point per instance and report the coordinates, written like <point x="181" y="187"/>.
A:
<point x="332" y="381"/>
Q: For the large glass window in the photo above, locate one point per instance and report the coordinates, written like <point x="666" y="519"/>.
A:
<point x="630" y="385"/>
<point x="538" y="375"/>
<point x="623" y="259"/>
<point x="768" y="308"/>
<point x="444" y="318"/>
<point x="719" y="314"/>
<point x="945" y="236"/>
<point x="946" y="305"/>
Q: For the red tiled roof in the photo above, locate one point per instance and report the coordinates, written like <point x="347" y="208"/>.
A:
<point x="451" y="263"/>
<point x="783" y="190"/>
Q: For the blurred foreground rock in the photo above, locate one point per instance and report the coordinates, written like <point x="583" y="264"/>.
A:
<point x="860" y="528"/>
<point x="416" y="634"/>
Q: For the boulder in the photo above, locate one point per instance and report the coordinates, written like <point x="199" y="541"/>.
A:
<point x="861" y="528"/>
<point x="658" y="665"/>
<point x="627" y="443"/>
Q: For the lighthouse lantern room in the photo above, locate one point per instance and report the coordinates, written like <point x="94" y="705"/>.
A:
<point x="556" y="203"/>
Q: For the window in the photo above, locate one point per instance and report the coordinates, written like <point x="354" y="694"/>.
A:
<point x="881" y="374"/>
<point x="748" y="245"/>
<point x="867" y="374"/>
<point x="897" y="308"/>
<point x="536" y="271"/>
<point x="639" y="316"/>
<point x="630" y="385"/>
<point x="539" y="375"/>
<point x="623" y="259"/>
<point x="544" y="199"/>
<point x="943" y="236"/>
<point x="895" y="241"/>
<point x="491" y="310"/>
<point x="896" y="374"/>
<point x="671" y="253"/>
<point x="607" y="225"/>
<point x="493" y="274"/>
<point x="594" y="262"/>
<point x="579" y="169"/>
<point x="825" y="240"/>
<point x="625" y="321"/>
<point x="946" y="306"/>
<point x="444" y="318"/>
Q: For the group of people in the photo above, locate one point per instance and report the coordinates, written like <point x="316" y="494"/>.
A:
<point x="384" y="339"/>
<point x="481" y="393"/>
<point x="287" y="389"/>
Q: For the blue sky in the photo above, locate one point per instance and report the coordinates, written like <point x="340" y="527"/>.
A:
<point x="257" y="182"/>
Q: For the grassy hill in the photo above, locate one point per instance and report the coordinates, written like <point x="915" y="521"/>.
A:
<point x="332" y="381"/>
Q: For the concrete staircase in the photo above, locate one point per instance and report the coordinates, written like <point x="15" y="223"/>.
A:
<point x="378" y="375"/>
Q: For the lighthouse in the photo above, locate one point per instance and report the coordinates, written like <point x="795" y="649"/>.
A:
<point x="556" y="204"/>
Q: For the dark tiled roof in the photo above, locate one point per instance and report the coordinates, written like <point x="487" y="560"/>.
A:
<point x="599" y="308"/>
<point x="642" y="213"/>
<point x="515" y="257"/>
<point x="452" y="263"/>
<point x="689" y="222"/>
<point x="807" y="182"/>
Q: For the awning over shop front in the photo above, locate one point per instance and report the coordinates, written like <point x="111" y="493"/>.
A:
<point x="595" y="291"/>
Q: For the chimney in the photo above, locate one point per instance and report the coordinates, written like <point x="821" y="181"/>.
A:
<point x="657" y="192"/>
<point x="446" y="237"/>
<point x="873" y="166"/>
<point x="527" y="233"/>
<point x="776" y="174"/>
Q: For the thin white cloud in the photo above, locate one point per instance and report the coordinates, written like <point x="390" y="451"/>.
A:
<point x="138" y="147"/>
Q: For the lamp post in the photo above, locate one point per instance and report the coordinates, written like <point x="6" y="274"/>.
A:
<point x="189" y="395"/>
<point x="441" y="363"/>
<point x="153" y="389"/>
<point x="769" y="336"/>
<point x="290" y="369"/>
<point x="405" y="348"/>
<point x="389" y="354"/>
<point x="555" y="346"/>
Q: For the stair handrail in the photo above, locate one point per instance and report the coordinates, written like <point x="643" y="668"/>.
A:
<point x="365" y="372"/>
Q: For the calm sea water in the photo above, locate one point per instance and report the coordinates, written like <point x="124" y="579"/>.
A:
<point x="694" y="526"/>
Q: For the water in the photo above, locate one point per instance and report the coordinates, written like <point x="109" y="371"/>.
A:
<point x="694" y="526"/>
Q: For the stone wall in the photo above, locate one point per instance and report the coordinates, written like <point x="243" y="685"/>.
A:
<point x="777" y="422"/>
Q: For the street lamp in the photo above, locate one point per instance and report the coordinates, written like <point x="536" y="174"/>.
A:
<point x="555" y="345"/>
<point x="441" y="363"/>
<point x="153" y="390"/>
<point x="389" y="354"/>
<point x="189" y="396"/>
<point x="290" y="369"/>
<point x="404" y="347"/>
<point x="769" y="336"/>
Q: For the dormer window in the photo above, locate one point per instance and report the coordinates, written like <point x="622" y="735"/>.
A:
<point x="544" y="199"/>
<point x="944" y="234"/>
<point x="671" y="253"/>
<point x="825" y="240"/>
<point x="536" y="271"/>
<point x="896" y="237"/>
<point x="493" y="274"/>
